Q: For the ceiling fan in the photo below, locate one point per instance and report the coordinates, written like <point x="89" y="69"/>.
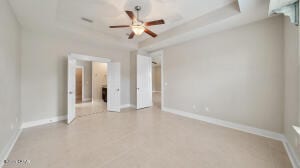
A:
<point x="137" y="26"/>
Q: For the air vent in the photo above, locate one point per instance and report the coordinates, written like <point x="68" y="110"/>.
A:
<point x="87" y="20"/>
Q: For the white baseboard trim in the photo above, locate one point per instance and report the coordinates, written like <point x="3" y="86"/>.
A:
<point x="257" y="131"/>
<point x="291" y="153"/>
<point x="127" y="106"/>
<point x="43" y="121"/>
<point x="240" y="127"/>
<point x="7" y="149"/>
<point x="58" y="118"/>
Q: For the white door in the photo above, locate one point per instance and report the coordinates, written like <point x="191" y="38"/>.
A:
<point x="144" y="82"/>
<point x="113" y="87"/>
<point x="71" y="89"/>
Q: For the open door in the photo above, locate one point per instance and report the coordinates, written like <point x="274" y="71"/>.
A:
<point x="144" y="82"/>
<point x="71" y="89"/>
<point x="113" y="87"/>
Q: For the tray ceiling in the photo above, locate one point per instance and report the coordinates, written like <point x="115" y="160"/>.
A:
<point x="104" y="13"/>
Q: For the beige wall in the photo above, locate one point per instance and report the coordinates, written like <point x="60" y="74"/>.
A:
<point x="291" y="85"/>
<point x="44" y="72"/>
<point x="10" y="117"/>
<point x="156" y="78"/>
<point x="236" y="74"/>
<point x="133" y="74"/>
<point x="99" y="79"/>
<point x="87" y="65"/>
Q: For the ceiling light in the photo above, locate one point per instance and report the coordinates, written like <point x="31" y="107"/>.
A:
<point x="138" y="29"/>
<point x="138" y="26"/>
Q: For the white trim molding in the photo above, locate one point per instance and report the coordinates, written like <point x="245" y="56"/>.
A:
<point x="291" y="153"/>
<point x="43" y="121"/>
<point x="244" y="128"/>
<point x="57" y="119"/>
<point x="88" y="58"/>
<point x="7" y="149"/>
<point x="240" y="127"/>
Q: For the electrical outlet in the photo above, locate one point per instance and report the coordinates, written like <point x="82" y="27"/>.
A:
<point x="17" y="119"/>
<point x="206" y="109"/>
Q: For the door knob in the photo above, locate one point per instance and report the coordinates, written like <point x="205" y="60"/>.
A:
<point x="70" y="92"/>
<point x="118" y="89"/>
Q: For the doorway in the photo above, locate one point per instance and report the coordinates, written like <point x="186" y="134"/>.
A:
<point x="91" y="88"/>
<point x="96" y="81"/>
<point x="99" y="82"/>
<point x="149" y="80"/>
<point x="80" y="86"/>
<point x="156" y="79"/>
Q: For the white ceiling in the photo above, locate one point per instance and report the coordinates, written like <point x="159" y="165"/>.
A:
<point x="52" y="14"/>
<point x="111" y="12"/>
<point x="233" y="15"/>
<point x="64" y="16"/>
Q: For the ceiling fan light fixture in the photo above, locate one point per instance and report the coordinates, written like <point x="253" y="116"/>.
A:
<point x="138" y="26"/>
<point x="138" y="29"/>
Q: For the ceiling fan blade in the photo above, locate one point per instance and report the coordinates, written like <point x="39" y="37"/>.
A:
<point x="130" y="14"/>
<point x="131" y="35"/>
<point x="150" y="33"/>
<point x="120" y="26"/>
<point x="155" y="22"/>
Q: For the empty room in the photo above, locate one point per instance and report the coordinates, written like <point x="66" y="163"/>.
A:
<point x="149" y="84"/>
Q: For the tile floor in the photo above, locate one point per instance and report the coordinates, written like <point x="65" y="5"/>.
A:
<point x="146" y="138"/>
<point x="89" y="108"/>
<point x="156" y="96"/>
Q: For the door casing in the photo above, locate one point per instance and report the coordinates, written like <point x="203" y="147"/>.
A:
<point x="74" y="57"/>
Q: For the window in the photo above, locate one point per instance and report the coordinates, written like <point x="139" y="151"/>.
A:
<point x="287" y="7"/>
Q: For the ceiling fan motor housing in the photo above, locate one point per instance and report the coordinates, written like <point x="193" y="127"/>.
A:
<point x="137" y="8"/>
